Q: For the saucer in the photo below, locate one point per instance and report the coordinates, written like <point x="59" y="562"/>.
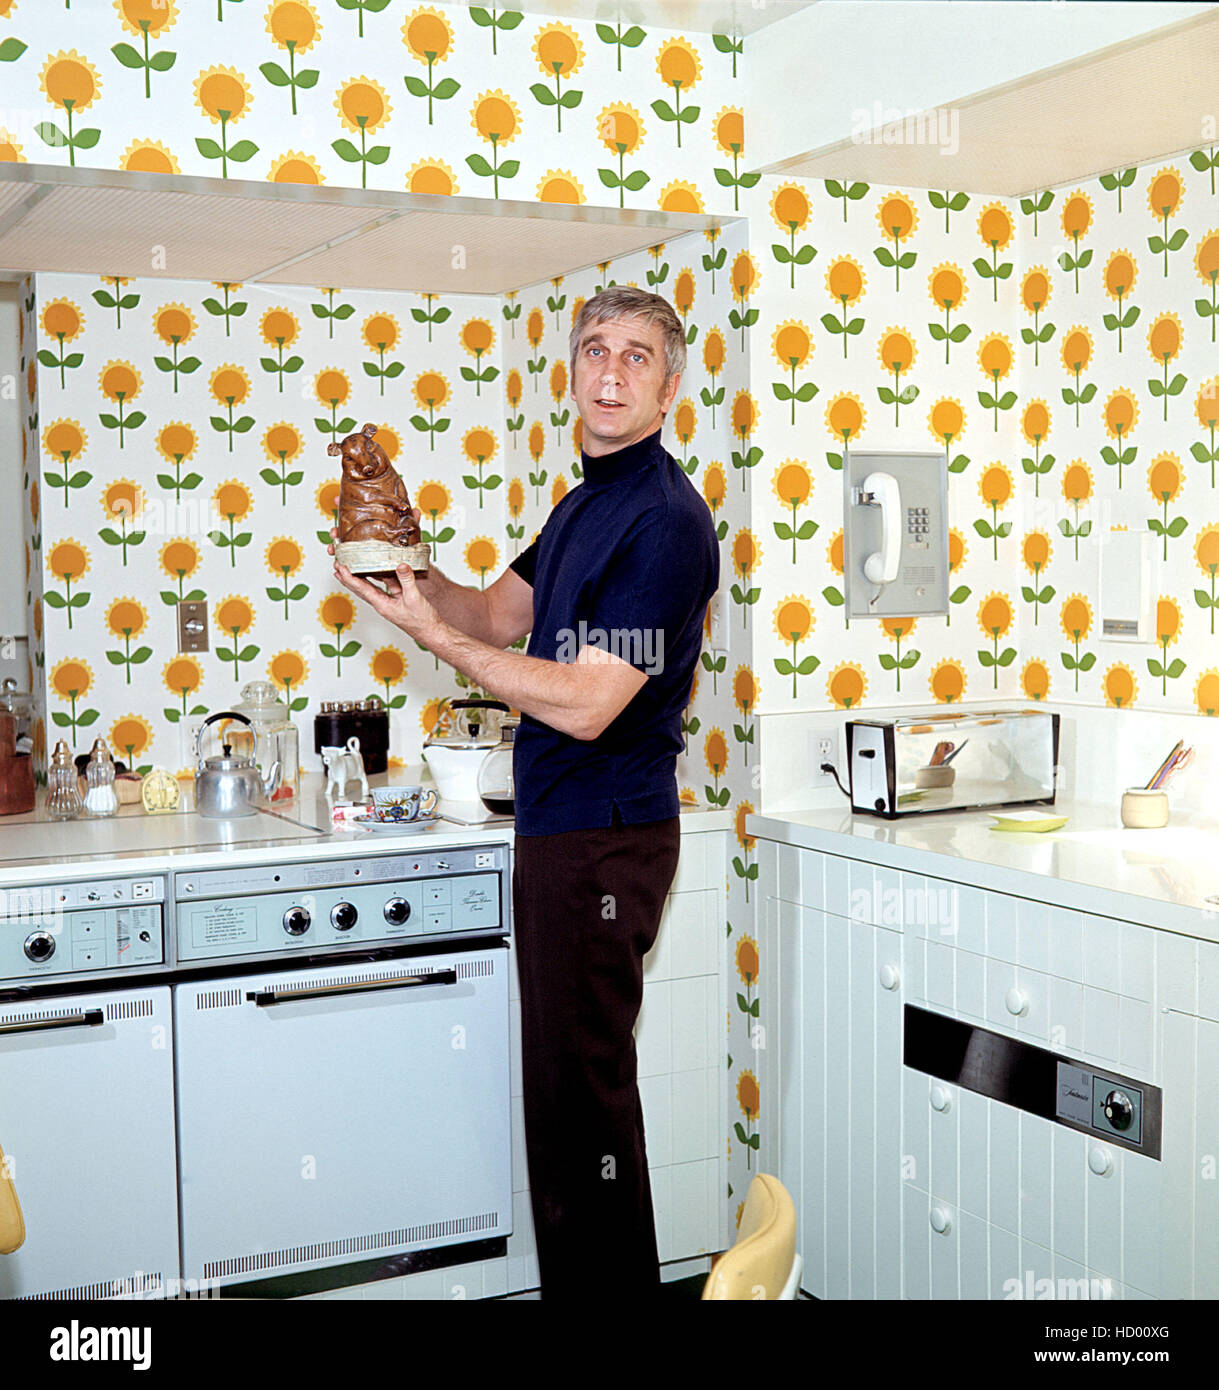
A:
<point x="399" y="827"/>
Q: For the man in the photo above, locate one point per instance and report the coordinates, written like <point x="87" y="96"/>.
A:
<point x="621" y="576"/>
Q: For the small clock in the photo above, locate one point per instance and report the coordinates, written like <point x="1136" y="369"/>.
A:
<point x="159" y="791"/>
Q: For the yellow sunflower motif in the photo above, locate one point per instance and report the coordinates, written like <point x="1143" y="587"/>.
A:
<point x="432" y="176"/>
<point x="428" y="36"/>
<point x="1035" y="679"/>
<point x="1121" y="688"/>
<point x="223" y="95"/>
<point x="947" y="681"/>
<point x="560" y="186"/>
<point x="151" y="17"/>
<point x="680" y="196"/>
<point x="69" y="80"/>
<point x="847" y="685"/>
<point x="149" y="157"/>
<point x="789" y="206"/>
<point x="496" y="117"/>
<point x="295" y="166"/>
<point x="362" y="104"/>
<point x="293" y="25"/>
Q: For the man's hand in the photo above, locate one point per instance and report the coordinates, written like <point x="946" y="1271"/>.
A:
<point x="400" y="602"/>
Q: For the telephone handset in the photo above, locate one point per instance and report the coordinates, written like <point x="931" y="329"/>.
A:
<point x="881" y="490"/>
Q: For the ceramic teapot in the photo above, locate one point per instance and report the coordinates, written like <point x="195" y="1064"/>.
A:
<point x="226" y="785"/>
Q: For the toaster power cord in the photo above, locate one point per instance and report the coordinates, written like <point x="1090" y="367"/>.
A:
<point x="833" y="771"/>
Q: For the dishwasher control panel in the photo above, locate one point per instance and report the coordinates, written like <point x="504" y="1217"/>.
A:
<point x="378" y="900"/>
<point x="86" y="928"/>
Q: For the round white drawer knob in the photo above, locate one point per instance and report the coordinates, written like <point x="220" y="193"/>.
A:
<point x="1100" y="1161"/>
<point x="889" y="977"/>
<point x="1017" y="1001"/>
<point x="941" y="1221"/>
<point x="941" y="1099"/>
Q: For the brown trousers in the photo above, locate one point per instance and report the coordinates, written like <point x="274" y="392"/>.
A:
<point x="586" y="910"/>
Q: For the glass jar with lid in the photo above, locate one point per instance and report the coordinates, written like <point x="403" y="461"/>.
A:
<point x="277" y="738"/>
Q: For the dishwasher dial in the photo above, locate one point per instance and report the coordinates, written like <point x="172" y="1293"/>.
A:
<point x="343" y="916"/>
<point x="40" y="946"/>
<point x="296" y="921"/>
<point x="1118" y="1110"/>
<point x="397" y="910"/>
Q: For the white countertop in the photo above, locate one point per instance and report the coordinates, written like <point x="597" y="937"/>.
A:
<point x="1161" y="878"/>
<point x="33" y="848"/>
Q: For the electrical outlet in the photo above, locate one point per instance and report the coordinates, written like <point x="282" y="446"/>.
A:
<point x="822" y="748"/>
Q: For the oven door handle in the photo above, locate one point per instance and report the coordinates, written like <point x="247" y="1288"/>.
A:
<point x="87" y="1018"/>
<point x="264" y="998"/>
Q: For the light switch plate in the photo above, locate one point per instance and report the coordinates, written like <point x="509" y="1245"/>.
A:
<point x="192" y="626"/>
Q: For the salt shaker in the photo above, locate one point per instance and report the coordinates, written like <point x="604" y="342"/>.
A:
<point x="63" y="795"/>
<point x="101" y="799"/>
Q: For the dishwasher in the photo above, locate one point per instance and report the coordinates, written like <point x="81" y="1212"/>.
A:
<point x="342" y="1063"/>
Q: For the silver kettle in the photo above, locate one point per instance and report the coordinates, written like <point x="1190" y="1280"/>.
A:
<point x="228" y="786"/>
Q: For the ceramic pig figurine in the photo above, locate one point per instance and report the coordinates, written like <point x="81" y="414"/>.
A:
<point x="376" y="531"/>
<point x="373" y="505"/>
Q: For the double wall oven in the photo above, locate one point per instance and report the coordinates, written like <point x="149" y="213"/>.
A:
<point x="230" y="1078"/>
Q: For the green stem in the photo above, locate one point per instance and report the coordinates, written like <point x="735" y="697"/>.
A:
<point x="232" y="545"/>
<point x="677" y="98"/>
<point x="72" y="146"/>
<point x="291" y="46"/>
<point x="147" y="67"/>
<point x="67" y="579"/>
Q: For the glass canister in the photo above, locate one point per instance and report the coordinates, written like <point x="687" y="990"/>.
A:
<point x="101" y="798"/>
<point x="496" y="787"/>
<point x="63" y="794"/>
<point x="277" y="737"/>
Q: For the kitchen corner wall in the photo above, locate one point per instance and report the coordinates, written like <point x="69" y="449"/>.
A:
<point x="183" y="431"/>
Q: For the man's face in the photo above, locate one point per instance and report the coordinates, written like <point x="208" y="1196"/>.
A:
<point x="619" y="385"/>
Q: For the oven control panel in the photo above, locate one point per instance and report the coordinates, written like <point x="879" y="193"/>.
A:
<point x="81" y="928"/>
<point x="336" y="904"/>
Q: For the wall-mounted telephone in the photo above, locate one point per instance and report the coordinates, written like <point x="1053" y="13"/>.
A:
<point x="895" y="534"/>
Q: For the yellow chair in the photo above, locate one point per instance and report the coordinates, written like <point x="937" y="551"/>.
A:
<point x="12" y="1223"/>
<point x="764" y="1262"/>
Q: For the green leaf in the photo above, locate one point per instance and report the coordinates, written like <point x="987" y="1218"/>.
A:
<point x="1176" y="527"/>
<point x="87" y="717"/>
<point x="10" y="50"/>
<point x="885" y="256"/>
<point x="959" y="595"/>
<point x="444" y="90"/>
<point x="378" y="154"/>
<point x="634" y="36"/>
<point x="634" y="182"/>
<point x="308" y="78"/>
<point x="888" y="662"/>
<point x="569" y="100"/>
<point x="275" y="74"/>
<point x="209" y="149"/>
<point x="416" y="86"/>
<point x="346" y="150"/>
<point x="1176" y="241"/>
<point x="833" y="597"/>
<point x="483" y="170"/>
<point x="689" y="115"/>
<point x="57" y="600"/>
<point x="807" y="667"/>
<point x="127" y="55"/>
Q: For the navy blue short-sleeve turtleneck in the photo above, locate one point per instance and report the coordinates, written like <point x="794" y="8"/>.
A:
<point x="627" y="561"/>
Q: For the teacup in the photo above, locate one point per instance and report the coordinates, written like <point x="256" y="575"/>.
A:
<point x="402" y="803"/>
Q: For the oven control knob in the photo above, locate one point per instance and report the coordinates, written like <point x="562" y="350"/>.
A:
<point x="1118" y="1110"/>
<point x="40" y="945"/>
<point x="397" y="910"/>
<point x="296" y="921"/>
<point x="343" y="916"/>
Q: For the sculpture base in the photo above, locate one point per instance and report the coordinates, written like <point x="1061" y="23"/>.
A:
<point x="380" y="557"/>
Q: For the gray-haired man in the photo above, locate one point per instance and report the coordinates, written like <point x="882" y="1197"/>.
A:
<point x="622" y="571"/>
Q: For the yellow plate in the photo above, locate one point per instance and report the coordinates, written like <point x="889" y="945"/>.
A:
<point x="1029" y="822"/>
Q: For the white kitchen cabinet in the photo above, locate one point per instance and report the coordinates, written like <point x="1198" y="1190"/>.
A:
<point x="982" y="1199"/>
<point x="838" y="1085"/>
